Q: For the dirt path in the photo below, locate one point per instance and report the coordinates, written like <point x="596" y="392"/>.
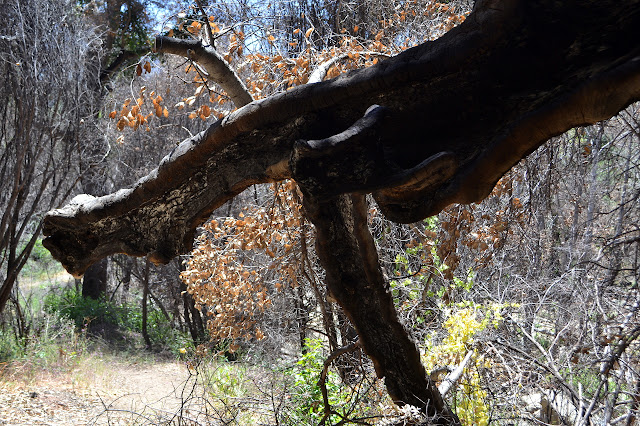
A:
<point x="122" y="393"/>
<point x="147" y="389"/>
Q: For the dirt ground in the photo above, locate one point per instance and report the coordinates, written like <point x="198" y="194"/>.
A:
<point x="121" y="394"/>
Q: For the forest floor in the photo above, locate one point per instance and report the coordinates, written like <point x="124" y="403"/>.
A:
<point x="97" y="390"/>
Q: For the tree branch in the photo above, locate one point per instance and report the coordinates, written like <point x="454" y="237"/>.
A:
<point x="122" y="59"/>
<point x="217" y="68"/>
<point x="347" y="251"/>
<point x="323" y="375"/>
<point x="454" y="376"/>
<point x="458" y="113"/>
<point x="321" y="70"/>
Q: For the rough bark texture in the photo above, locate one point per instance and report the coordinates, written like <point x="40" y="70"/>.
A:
<point x="354" y="278"/>
<point x="437" y="124"/>
<point x="215" y="65"/>
<point x="459" y="112"/>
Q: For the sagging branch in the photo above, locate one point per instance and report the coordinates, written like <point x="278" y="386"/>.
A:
<point x="347" y="251"/>
<point x="215" y="65"/>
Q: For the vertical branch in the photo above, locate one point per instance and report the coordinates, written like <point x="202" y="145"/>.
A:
<point x="145" y="296"/>
<point x="348" y="253"/>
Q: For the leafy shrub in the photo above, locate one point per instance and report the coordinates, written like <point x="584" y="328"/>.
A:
<point x="359" y="400"/>
<point x="87" y="313"/>
<point x="81" y="310"/>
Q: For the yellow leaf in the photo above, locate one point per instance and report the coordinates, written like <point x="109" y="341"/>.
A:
<point x="199" y="90"/>
<point x="296" y="31"/>
<point x="355" y="29"/>
<point x="165" y="113"/>
<point x="308" y="33"/>
<point x="147" y="66"/>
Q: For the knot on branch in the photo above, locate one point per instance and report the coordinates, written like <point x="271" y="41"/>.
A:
<point x="358" y="161"/>
<point x="350" y="161"/>
<point x="413" y="193"/>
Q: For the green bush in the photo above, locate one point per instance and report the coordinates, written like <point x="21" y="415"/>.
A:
<point x="127" y="317"/>
<point x="307" y="406"/>
<point x="82" y="311"/>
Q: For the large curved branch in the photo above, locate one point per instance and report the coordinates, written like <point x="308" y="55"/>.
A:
<point x="458" y="113"/>
<point x="215" y="65"/>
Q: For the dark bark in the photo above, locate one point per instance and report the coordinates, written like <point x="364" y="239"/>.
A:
<point x="354" y="278"/>
<point x="192" y="317"/>
<point x="94" y="282"/>
<point x="127" y="266"/>
<point x="124" y="58"/>
<point x="457" y="114"/>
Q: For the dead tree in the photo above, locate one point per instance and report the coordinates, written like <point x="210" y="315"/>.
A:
<point x="437" y="124"/>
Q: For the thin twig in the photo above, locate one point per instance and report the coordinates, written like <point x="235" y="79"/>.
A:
<point x="323" y="376"/>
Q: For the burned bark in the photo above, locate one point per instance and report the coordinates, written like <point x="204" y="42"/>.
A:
<point x="354" y="278"/>
<point x="436" y="124"/>
<point x="459" y="112"/>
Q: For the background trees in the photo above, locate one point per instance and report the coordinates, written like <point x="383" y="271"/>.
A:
<point x="48" y="95"/>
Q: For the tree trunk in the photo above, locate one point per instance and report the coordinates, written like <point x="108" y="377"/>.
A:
<point x="354" y="278"/>
<point x="127" y="265"/>
<point x="192" y="317"/>
<point x="94" y="282"/>
<point x="145" y="297"/>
